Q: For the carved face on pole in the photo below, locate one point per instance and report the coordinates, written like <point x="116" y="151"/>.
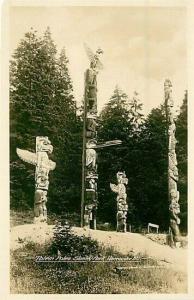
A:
<point x="174" y="207"/>
<point x="167" y="88"/>
<point x="91" y="126"/>
<point x="43" y="165"/>
<point x="42" y="181"/>
<point x="95" y="61"/>
<point x="122" y="206"/>
<point x="121" y="178"/>
<point x="92" y="183"/>
<point x="91" y="144"/>
<point x="43" y="144"/>
<point x="91" y="155"/>
<point x="89" y="158"/>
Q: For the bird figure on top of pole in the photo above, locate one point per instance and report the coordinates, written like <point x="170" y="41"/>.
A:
<point x="90" y="144"/>
<point x="95" y="63"/>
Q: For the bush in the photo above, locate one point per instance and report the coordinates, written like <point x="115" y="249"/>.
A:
<point x="72" y="245"/>
<point x="30" y="277"/>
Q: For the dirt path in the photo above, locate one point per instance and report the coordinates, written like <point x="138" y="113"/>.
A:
<point x="122" y="242"/>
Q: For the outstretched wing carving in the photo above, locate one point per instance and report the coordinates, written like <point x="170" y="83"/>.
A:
<point x="114" y="188"/>
<point x="52" y="165"/>
<point x="92" y="56"/>
<point x="89" y="52"/>
<point x="27" y="156"/>
<point x="108" y="144"/>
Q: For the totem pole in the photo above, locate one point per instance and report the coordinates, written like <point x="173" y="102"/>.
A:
<point x="122" y="206"/>
<point x="173" y="193"/>
<point x="43" y="166"/>
<point x="89" y="156"/>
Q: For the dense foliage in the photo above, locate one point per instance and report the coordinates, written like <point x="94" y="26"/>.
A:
<point x="69" y="244"/>
<point x="142" y="156"/>
<point x="42" y="103"/>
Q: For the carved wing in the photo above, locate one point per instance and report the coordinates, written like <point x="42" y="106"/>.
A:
<point x="114" y="188"/>
<point x="108" y="144"/>
<point x="27" y="156"/>
<point x="52" y="165"/>
<point x="89" y="52"/>
<point x="93" y="56"/>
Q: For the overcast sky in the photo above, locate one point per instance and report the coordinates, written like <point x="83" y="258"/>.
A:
<point x="142" y="46"/>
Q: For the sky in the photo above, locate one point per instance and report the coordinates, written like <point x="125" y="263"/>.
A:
<point x="142" y="46"/>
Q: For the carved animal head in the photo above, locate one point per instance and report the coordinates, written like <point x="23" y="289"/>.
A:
<point x="91" y="144"/>
<point x="43" y="144"/>
<point x="91" y="115"/>
<point x="121" y="177"/>
<point x="167" y="88"/>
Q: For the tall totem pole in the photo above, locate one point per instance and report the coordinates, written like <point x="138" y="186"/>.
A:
<point x="89" y="197"/>
<point x="173" y="193"/>
<point x="43" y="166"/>
<point x="89" y="155"/>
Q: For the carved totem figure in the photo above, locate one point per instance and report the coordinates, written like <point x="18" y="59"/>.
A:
<point x="43" y="166"/>
<point x="89" y="163"/>
<point x="122" y="206"/>
<point x="174" y="207"/>
<point x="91" y="156"/>
<point x="91" y="126"/>
<point x="90" y="145"/>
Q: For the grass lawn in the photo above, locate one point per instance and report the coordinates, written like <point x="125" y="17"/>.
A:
<point x="30" y="277"/>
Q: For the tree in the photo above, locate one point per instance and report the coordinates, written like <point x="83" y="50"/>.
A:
<point x="25" y="95"/>
<point x="135" y="113"/>
<point x="152" y="201"/>
<point x="66" y="130"/>
<point x="42" y="103"/>
<point x="143" y="155"/>
<point x="114" y="124"/>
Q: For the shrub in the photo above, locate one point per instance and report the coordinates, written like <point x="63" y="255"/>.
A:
<point x="72" y="245"/>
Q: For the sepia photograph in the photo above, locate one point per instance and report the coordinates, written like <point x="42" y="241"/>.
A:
<point x="98" y="148"/>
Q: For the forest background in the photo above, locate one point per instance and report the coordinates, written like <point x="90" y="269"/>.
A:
<point x="42" y="103"/>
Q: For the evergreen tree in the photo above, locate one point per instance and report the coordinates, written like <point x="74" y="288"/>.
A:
<point x="135" y="113"/>
<point x="144" y="157"/>
<point x="42" y="103"/>
<point x="152" y="202"/>
<point x="121" y="119"/>
<point x="25" y="75"/>
<point x="114" y="124"/>
<point x="133" y="158"/>
<point x="68" y="138"/>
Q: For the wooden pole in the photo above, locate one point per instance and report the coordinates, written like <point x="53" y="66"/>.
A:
<point x="173" y="193"/>
<point x="83" y="157"/>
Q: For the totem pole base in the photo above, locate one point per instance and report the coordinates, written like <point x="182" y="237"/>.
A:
<point x="40" y="219"/>
<point x="94" y="223"/>
<point x="121" y="228"/>
<point x="86" y="221"/>
<point x="122" y="206"/>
